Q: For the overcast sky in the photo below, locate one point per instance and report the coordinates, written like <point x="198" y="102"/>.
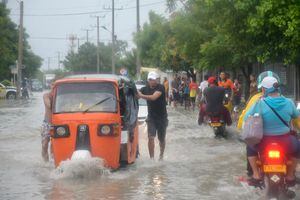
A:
<point x="48" y="34"/>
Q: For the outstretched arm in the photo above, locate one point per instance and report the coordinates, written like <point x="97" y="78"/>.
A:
<point x="152" y="97"/>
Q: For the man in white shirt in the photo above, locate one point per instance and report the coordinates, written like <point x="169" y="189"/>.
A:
<point x="203" y="84"/>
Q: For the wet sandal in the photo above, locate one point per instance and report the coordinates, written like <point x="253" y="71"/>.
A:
<point x="255" y="182"/>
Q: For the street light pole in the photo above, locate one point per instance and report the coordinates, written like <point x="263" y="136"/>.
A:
<point x="113" y="38"/>
<point x="138" y="29"/>
<point x="20" y="50"/>
<point x="98" y="48"/>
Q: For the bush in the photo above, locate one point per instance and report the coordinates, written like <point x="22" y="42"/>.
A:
<point x="7" y="83"/>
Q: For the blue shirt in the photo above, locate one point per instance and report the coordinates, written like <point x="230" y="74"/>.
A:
<point x="272" y="124"/>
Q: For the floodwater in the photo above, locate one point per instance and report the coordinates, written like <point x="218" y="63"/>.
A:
<point x="196" y="165"/>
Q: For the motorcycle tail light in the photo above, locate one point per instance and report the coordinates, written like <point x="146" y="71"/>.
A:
<point x="274" y="154"/>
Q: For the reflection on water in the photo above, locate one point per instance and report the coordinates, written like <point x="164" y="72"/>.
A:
<point x="196" y="166"/>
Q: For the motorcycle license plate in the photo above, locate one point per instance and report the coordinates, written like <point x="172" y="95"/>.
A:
<point x="216" y="124"/>
<point x="275" y="168"/>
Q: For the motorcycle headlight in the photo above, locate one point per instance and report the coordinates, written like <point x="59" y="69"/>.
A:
<point x="61" y="131"/>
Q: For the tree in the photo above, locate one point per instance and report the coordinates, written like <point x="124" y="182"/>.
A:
<point x="9" y="48"/>
<point x="277" y="26"/>
<point x="85" y="60"/>
<point x="8" y="42"/>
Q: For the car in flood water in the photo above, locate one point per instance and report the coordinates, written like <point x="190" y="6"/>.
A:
<point x="7" y="92"/>
<point x="95" y="116"/>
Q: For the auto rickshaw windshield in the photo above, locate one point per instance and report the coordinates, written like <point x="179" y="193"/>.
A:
<point x="85" y="97"/>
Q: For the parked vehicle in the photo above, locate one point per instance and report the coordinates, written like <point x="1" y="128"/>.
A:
<point x="143" y="108"/>
<point x="48" y="78"/>
<point x="143" y="111"/>
<point x="95" y="115"/>
<point x="8" y="92"/>
<point x="36" y="85"/>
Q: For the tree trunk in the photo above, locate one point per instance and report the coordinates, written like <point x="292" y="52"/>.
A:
<point x="247" y="71"/>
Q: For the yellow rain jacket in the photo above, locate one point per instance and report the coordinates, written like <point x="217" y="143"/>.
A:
<point x="252" y="101"/>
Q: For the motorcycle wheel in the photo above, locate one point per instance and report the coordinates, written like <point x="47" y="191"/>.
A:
<point x="272" y="190"/>
<point x="220" y="132"/>
<point x="277" y="191"/>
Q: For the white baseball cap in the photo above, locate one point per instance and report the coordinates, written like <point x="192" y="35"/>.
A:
<point x="153" y="76"/>
<point x="268" y="82"/>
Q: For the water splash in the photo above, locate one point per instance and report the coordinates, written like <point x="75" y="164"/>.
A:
<point x="80" y="169"/>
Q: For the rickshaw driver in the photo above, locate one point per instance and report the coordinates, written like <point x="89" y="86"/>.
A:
<point x="157" y="120"/>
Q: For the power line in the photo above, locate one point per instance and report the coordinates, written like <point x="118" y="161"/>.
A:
<point x="61" y="38"/>
<point x="87" y="13"/>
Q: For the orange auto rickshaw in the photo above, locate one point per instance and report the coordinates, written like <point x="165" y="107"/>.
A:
<point x="95" y="116"/>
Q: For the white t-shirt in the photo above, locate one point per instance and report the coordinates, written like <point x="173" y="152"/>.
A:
<point x="203" y="85"/>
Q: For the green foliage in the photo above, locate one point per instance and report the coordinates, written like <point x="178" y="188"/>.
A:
<point x="207" y="34"/>
<point x="7" y="83"/>
<point x="85" y="61"/>
<point x="8" y="42"/>
<point x="9" y="48"/>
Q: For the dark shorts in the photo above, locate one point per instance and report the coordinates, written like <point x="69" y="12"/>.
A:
<point x="236" y="100"/>
<point x="288" y="142"/>
<point x="193" y="99"/>
<point x="176" y="96"/>
<point x="158" y="127"/>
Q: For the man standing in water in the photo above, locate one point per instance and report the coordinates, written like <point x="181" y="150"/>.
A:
<point x="46" y="123"/>
<point x="157" y="120"/>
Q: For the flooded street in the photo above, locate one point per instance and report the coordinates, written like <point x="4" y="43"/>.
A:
<point x="196" y="165"/>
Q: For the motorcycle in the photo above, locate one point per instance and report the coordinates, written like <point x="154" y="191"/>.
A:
<point x="218" y="125"/>
<point x="25" y="93"/>
<point x="273" y="163"/>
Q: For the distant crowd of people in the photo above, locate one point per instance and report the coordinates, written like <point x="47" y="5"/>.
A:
<point x="185" y="91"/>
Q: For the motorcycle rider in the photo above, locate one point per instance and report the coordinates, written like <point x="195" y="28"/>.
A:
<point x="214" y="96"/>
<point x="274" y="129"/>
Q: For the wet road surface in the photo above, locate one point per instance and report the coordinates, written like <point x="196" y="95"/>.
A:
<point x="196" y="165"/>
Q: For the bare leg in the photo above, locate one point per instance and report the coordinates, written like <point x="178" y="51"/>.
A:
<point x="162" y="149"/>
<point x="291" y="169"/>
<point x="151" y="146"/>
<point x="252" y="161"/>
<point x="45" y="155"/>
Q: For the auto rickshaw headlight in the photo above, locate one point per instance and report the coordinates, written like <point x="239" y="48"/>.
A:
<point x="108" y="130"/>
<point x="61" y="131"/>
<point x="105" y="130"/>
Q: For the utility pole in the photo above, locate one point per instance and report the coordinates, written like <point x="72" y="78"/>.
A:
<point x="98" y="48"/>
<point x="48" y="63"/>
<point x="78" y="44"/>
<point x="58" y="58"/>
<point x="98" y="43"/>
<point x="113" y="38"/>
<point x="87" y="34"/>
<point x="138" y="29"/>
<point x="20" y="50"/>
